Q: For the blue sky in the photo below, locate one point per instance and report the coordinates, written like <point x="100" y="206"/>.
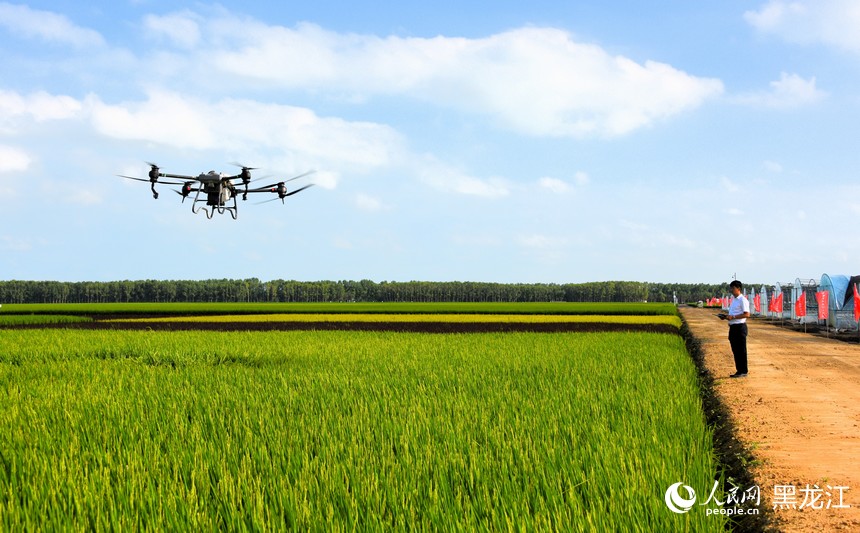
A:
<point x="549" y="142"/>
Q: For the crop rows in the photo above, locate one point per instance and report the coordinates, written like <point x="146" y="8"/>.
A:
<point x="348" y="430"/>
<point x="19" y="320"/>
<point x="555" y="308"/>
<point x="434" y="317"/>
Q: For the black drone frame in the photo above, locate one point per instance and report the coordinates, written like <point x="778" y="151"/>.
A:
<point x="219" y="190"/>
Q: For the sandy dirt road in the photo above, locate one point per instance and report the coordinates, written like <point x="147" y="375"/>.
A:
<point x="799" y="411"/>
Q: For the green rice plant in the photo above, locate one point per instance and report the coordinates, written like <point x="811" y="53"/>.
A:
<point x="435" y="317"/>
<point x="348" y="431"/>
<point x="18" y="320"/>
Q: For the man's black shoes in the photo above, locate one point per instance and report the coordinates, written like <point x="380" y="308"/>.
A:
<point x="739" y="375"/>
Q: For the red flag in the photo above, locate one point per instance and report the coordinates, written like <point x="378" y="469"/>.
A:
<point x="800" y="305"/>
<point x="777" y="304"/>
<point x="757" y="303"/>
<point x="823" y="309"/>
<point x="856" y="304"/>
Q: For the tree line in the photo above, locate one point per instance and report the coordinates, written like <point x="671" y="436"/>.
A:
<point x="254" y="290"/>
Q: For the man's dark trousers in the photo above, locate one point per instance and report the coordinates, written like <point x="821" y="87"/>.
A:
<point x="738" y="340"/>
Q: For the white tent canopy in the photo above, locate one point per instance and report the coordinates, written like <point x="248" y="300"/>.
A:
<point x="807" y="287"/>
<point x="840" y="300"/>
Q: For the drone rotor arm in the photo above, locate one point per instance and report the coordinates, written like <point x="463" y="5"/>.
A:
<point x="268" y="188"/>
<point x="177" y="176"/>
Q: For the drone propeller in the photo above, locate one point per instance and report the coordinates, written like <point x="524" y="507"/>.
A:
<point x="308" y="173"/>
<point x="273" y="187"/>
<point x="154" y="172"/>
<point x="131" y="178"/>
<point x="243" y="167"/>
<point x="245" y="175"/>
<point x="299" y="190"/>
<point x="266" y="201"/>
<point x="282" y="192"/>
<point x="148" y="180"/>
<point x="186" y="190"/>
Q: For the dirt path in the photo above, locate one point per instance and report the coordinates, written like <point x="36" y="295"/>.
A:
<point x="799" y="410"/>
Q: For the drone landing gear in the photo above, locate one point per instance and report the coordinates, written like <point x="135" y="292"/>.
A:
<point x="210" y="211"/>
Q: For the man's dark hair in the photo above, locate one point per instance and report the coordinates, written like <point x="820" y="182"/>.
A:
<point x="737" y="284"/>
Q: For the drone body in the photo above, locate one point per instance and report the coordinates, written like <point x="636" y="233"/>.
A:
<point x="219" y="192"/>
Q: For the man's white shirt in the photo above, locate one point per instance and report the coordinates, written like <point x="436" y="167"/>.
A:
<point x="740" y="305"/>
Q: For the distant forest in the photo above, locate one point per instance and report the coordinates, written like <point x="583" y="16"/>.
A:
<point x="254" y="290"/>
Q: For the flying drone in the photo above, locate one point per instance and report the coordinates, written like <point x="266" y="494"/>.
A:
<point x="218" y="190"/>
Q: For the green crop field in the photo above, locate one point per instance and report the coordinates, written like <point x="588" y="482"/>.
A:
<point x="18" y="320"/>
<point x="344" y="430"/>
<point x="671" y="320"/>
<point x="564" y="308"/>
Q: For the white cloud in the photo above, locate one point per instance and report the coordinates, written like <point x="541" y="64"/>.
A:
<point x="629" y="225"/>
<point x="167" y="118"/>
<point x="560" y="186"/>
<point x="729" y="185"/>
<point x="644" y="236"/>
<point x="241" y="125"/>
<point x="45" y="25"/>
<point x="13" y="160"/>
<point x="365" y="202"/>
<point x="832" y="22"/>
<point x="789" y="91"/>
<point x="538" y="81"/>
<point x="66" y="193"/>
<point x="555" y="185"/>
<point x="775" y="14"/>
<point x="773" y="166"/>
<point x="326" y="179"/>
<point x="293" y="137"/>
<point x="15" y="244"/>
<point x="449" y="179"/>
<point x="40" y="105"/>
<point x="180" y="28"/>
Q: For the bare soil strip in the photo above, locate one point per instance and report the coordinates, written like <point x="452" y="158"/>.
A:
<point x="798" y="412"/>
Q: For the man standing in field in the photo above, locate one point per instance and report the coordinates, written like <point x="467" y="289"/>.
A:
<point x="739" y="311"/>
